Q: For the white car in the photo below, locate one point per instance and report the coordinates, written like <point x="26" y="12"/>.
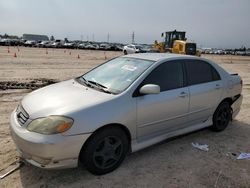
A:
<point x="132" y="49"/>
<point x="30" y="43"/>
<point x="122" y="106"/>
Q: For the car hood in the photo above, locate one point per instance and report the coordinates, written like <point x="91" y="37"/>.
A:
<point x="61" y="99"/>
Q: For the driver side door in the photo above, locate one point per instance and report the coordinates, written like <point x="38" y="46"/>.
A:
<point x="168" y="110"/>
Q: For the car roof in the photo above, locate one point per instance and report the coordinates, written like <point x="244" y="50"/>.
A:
<point x="160" y="56"/>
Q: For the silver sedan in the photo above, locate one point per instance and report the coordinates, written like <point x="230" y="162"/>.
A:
<point x="121" y="106"/>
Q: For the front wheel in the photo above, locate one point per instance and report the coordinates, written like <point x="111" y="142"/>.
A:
<point x="221" y="117"/>
<point x="105" y="151"/>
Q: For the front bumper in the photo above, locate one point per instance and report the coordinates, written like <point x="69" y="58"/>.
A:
<point x="47" y="151"/>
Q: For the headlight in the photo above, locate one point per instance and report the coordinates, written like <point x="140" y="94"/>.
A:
<point x="50" y="125"/>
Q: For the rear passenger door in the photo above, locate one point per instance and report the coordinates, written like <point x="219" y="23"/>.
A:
<point x="205" y="87"/>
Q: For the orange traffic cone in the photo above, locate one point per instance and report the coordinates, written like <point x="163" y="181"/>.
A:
<point x="46" y="52"/>
<point x="15" y="55"/>
<point x="78" y="57"/>
<point x="8" y="50"/>
<point x="18" y="49"/>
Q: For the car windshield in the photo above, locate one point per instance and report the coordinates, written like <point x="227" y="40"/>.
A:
<point x="118" y="74"/>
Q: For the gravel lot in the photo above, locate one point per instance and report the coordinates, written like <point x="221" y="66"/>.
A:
<point x="172" y="163"/>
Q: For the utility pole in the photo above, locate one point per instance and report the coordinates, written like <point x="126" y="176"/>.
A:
<point x="81" y="37"/>
<point x="133" y="37"/>
<point x="93" y="37"/>
<point x="108" y="38"/>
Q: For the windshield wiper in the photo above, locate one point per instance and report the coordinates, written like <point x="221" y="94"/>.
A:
<point x="84" y="81"/>
<point x="99" y="86"/>
<point x="94" y="84"/>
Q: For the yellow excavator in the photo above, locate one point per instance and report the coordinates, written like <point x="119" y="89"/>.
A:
<point x="176" y="42"/>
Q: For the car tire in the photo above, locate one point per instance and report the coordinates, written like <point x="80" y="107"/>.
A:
<point x="105" y="150"/>
<point x="221" y="117"/>
<point x="125" y="52"/>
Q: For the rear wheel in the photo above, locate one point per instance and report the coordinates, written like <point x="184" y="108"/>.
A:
<point x="221" y="117"/>
<point x="125" y="52"/>
<point x="105" y="151"/>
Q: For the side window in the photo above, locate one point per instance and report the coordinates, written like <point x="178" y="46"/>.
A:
<point x="200" y="72"/>
<point x="215" y="74"/>
<point x="168" y="76"/>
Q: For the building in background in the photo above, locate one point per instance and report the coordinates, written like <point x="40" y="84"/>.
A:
<point x="35" y="37"/>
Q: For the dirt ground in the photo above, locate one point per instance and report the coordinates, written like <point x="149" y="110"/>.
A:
<point x="173" y="163"/>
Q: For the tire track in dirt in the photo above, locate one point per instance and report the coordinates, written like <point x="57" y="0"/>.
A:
<point x="31" y="84"/>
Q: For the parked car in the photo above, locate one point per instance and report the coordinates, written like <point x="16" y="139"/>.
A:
<point x="96" y="46"/>
<point x="42" y="44"/>
<point x="219" y="52"/>
<point x="30" y="43"/>
<point x="69" y="45"/>
<point x="247" y="53"/>
<point x="131" y="49"/>
<point x="119" y="47"/>
<point x="4" y="42"/>
<point x="55" y="44"/>
<point x="121" y="106"/>
<point x="240" y="53"/>
<point x="105" y="46"/>
<point x="115" y="47"/>
<point x="90" y="46"/>
<point x="81" y="46"/>
<point x="10" y="42"/>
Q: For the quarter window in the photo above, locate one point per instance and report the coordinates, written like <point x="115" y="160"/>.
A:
<point x="215" y="74"/>
<point x="168" y="76"/>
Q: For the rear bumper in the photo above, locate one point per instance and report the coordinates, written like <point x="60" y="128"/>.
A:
<point x="236" y="106"/>
<point x="47" y="151"/>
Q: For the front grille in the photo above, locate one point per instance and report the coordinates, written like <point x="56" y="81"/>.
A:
<point x="21" y="115"/>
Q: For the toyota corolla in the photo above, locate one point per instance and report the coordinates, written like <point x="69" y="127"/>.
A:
<point x="121" y="106"/>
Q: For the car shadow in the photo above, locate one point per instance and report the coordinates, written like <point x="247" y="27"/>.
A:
<point x="141" y="162"/>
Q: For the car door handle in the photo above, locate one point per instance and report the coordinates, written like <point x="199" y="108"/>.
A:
<point x="217" y="86"/>
<point x="183" y="94"/>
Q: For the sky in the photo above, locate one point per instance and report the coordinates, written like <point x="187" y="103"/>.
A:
<point x="209" y="23"/>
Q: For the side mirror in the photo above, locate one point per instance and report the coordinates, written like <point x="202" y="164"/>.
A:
<point x="150" y="89"/>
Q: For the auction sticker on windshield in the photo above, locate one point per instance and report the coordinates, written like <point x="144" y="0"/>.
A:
<point x="129" y="67"/>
